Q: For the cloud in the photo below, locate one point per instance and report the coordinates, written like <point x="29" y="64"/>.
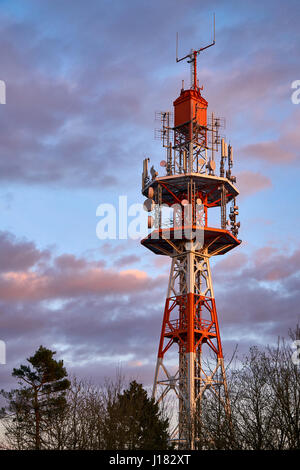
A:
<point x="18" y="255"/>
<point x="135" y="273"/>
<point x="250" y="182"/>
<point x="271" y="151"/>
<point x="94" y="315"/>
<point x="265" y="264"/>
<point x="79" y="106"/>
<point x="86" y="279"/>
<point x="81" y="96"/>
<point x="126" y="260"/>
<point x="282" y="150"/>
<point x="257" y="297"/>
<point x="67" y="302"/>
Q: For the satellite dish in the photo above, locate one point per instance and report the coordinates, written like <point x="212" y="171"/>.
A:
<point x="184" y="202"/>
<point x="150" y="193"/>
<point x="212" y="165"/>
<point x="148" y="205"/>
<point x="163" y="163"/>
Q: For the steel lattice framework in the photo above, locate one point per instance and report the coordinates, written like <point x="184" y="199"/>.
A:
<point x="189" y="189"/>
<point x="190" y="321"/>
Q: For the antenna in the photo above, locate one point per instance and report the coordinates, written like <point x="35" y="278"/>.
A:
<point x="192" y="56"/>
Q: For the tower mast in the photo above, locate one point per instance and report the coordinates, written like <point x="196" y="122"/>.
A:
<point x="189" y="189"/>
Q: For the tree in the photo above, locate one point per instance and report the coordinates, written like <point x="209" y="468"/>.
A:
<point x="134" y="421"/>
<point x="38" y="402"/>
<point x="265" y="402"/>
<point x="80" y="426"/>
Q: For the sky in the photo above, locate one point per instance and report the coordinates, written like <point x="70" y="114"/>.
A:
<point x="83" y="83"/>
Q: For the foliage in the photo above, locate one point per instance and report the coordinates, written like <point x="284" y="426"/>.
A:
<point x="47" y="412"/>
<point x="264" y="392"/>
<point x="134" y="421"/>
<point x="37" y="403"/>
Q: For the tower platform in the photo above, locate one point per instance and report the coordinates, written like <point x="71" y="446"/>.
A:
<point x="167" y="241"/>
<point x="208" y="185"/>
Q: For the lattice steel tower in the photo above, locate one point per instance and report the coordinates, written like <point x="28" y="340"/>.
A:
<point x="187" y="191"/>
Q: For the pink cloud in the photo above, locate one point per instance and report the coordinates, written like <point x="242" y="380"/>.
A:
<point x="268" y="263"/>
<point x="84" y="278"/>
<point x="280" y="150"/>
<point x="250" y="182"/>
<point x="235" y="262"/>
<point x="136" y="273"/>
<point x="272" y="151"/>
<point x="17" y="255"/>
<point x="126" y="260"/>
<point x="31" y="275"/>
<point x="162" y="262"/>
<point x="87" y="307"/>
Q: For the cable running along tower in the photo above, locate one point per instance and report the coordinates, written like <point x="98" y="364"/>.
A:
<point x="189" y="188"/>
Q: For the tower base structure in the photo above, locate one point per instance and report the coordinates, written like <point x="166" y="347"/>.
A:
<point x="190" y="322"/>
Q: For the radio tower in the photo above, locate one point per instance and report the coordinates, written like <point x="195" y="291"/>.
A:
<point x="188" y="190"/>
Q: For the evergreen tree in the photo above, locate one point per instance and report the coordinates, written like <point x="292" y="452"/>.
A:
<point x="39" y="400"/>
<point x="134" y="421"/>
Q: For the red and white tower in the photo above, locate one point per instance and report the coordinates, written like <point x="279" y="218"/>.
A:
<point x="188" y="190"/>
